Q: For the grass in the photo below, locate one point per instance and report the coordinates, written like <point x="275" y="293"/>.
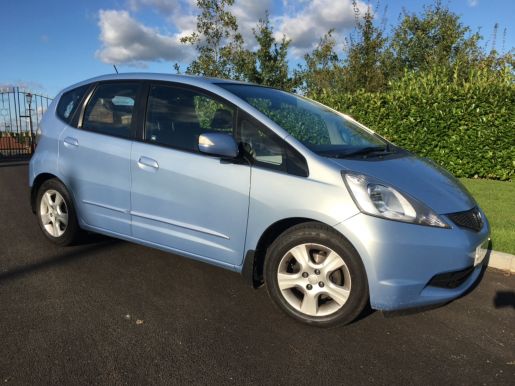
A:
<point x="497" y="199"/>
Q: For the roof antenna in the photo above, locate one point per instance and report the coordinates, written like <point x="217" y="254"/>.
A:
<point x="114" y="65"/>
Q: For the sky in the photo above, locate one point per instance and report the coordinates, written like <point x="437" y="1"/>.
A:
<point x="48" y="45"/>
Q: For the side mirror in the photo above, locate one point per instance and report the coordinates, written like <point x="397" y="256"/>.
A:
<point x="219" y="144"/>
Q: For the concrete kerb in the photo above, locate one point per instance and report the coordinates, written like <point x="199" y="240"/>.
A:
<point x="502" y="261"/>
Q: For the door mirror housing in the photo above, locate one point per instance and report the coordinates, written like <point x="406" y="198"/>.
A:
<point x="219" y="144"/>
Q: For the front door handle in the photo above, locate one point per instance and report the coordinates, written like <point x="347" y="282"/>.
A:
<point x="71" y="142"/>
<point x="147" y="163"/>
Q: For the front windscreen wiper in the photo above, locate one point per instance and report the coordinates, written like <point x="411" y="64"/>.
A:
<point x="369" y="150"/>
<point x="366" y="151"/>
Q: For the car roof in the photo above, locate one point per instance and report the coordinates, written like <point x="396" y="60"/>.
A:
<point x="207" y="83"/>
<point x="187" y="79"/>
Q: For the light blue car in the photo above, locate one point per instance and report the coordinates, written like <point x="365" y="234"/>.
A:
<point x="288" y="192"/>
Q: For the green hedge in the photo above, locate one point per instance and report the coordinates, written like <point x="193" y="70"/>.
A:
<point x="467" y="126"/>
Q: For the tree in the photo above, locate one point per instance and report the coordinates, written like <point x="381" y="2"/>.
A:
<point x="269" y="65"/>
<point x="322" y="69"/>
<point x="364" y="67"/>
<point x="435" y="38"/>
<point x="217" y="41"/>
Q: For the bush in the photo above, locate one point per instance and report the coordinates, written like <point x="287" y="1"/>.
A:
<point x="467" y="126"/>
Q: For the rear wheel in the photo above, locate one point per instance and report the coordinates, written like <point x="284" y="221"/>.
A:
<point x="316" y="276"/>
<point x="56" y="214"/>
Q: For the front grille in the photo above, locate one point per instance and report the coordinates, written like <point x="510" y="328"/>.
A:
<point x="451" y="279"/>
<point x="470" y="219"/>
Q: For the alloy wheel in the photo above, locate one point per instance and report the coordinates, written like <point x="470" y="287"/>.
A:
<point x="53" y="213"/>
<point x="314" y="279"/>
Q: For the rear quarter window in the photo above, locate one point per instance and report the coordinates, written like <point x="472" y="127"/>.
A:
<point x="69" y="102"/>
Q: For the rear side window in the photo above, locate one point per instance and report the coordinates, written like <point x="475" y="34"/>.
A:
<point x="111" y="108"/>
<point x="69" y="102"/>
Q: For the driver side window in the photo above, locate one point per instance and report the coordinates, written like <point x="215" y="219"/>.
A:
<point x="176" y="116"/>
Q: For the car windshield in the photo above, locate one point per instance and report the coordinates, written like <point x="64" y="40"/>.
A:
<point x="319" y="128"/>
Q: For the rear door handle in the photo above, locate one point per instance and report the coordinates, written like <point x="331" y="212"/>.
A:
<point x="71" y="142"/>
<point x="147" y="163"/>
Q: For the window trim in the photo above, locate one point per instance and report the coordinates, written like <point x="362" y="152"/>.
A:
<point x="135" y="114"/>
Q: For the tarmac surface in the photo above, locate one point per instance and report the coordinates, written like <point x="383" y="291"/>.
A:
<point x="112" y="312"/>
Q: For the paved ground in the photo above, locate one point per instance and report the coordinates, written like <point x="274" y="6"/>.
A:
<point x="111" y="312"/>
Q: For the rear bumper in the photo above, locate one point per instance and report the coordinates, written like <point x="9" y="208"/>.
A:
<point x="410" y="265"/>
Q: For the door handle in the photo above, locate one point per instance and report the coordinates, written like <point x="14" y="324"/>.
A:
<point x="71" y="142"/>
<point x="146" y="162"/>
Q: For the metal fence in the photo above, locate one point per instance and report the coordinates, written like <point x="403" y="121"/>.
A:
<point x="20" y="114"/>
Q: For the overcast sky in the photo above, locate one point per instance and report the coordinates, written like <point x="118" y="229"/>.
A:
<point x="48" y="45"/>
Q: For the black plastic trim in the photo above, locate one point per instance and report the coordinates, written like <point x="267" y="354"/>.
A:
<point x="451" y="280"/>
<point x="248" y="267"/>
<point x="469" y="219"/>
<point x="249" y="270"/>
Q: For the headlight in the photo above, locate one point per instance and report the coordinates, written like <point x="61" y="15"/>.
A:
<point x="378" y="199"/>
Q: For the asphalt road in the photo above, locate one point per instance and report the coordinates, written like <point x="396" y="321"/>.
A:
<point x="111" y="312"/>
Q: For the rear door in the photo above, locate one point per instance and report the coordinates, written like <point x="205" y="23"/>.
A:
<point x="94" y="157"/>
<point x="181" y="199"/>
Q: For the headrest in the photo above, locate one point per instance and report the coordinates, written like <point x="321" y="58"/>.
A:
<point x="222" y="119"/>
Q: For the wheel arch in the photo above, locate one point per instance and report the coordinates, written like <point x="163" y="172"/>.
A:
<point x="36" y="184"/>
<point x="252" y="268"/>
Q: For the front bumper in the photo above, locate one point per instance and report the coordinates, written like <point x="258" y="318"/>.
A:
<point x="407" y="264"/>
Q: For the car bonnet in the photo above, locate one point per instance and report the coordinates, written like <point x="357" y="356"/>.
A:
<point x="419" y="178"/>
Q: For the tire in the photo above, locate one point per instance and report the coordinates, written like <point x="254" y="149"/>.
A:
<point x="316" y="276"/>
<point x="56" y="214"/>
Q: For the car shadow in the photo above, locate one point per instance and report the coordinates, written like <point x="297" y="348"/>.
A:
<point x="88" y="238"/>
<point x="74" y="253"/>
<point x="504" y="299"/>
<point x="365" y="313"/>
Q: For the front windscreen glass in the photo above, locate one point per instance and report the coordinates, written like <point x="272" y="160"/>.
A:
<point x="319" y="128"/>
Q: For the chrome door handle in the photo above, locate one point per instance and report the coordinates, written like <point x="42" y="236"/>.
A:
<point x="70" y="141"/>
<point x="145" y="162"/>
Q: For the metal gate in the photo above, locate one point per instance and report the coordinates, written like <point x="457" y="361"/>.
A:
<point x="20" y="114"/>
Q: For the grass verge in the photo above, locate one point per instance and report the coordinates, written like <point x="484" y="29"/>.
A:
<point x="497" y="199"/>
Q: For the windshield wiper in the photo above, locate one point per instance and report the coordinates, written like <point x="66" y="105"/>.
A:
<point x="369" y="150"/>
<point x="366" y="150"/>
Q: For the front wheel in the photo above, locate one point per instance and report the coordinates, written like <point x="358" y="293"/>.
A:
<point x="316" y="276"/>
<point x="56" y="214"/>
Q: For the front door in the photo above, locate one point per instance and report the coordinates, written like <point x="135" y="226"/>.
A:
<point x="181" y="199"/>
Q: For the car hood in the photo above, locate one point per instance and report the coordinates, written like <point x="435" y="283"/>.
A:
<point x="420" y="178"/>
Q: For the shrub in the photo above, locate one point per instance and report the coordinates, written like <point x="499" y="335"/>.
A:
<point x="465" y="125"/>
